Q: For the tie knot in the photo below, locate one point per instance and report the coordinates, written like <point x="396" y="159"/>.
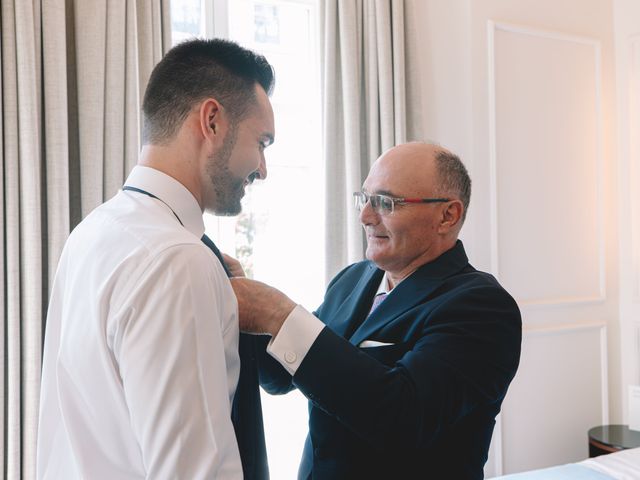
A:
<point x="377" y="300"/>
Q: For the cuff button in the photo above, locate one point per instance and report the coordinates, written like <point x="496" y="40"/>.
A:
<point x="290" y="357"/>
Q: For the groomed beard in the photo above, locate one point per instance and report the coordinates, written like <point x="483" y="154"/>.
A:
<point x="227" y="188"/>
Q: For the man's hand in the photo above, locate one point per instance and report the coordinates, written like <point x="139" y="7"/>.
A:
<point x="234" y="266"/>
<point x="262" y="309"/>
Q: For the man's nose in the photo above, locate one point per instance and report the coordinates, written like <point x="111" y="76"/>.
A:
<point x="368" y="216"/>
<point x="262" y="167"/>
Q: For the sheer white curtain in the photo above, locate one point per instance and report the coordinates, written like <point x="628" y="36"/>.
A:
<point x="365" y="107"/>
<point x="72" y="73"/>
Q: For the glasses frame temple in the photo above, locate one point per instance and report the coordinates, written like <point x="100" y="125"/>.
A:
<point x="422" y="200"/>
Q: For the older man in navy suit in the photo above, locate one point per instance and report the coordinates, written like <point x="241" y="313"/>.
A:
<point x="407" y="360"/>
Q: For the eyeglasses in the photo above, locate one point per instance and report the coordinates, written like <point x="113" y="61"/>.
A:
<point x="385" y="205"/>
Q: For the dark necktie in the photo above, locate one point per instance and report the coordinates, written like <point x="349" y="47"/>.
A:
<point x="246" y="411"/>
<point x="209" y="243"/>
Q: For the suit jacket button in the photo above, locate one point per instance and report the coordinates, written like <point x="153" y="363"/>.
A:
<point x="319" y="452"/>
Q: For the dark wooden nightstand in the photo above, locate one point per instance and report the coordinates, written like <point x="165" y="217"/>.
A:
<point x="611" y="438"/>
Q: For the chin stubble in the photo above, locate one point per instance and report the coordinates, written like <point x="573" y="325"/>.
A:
<point x="228" y="189"/>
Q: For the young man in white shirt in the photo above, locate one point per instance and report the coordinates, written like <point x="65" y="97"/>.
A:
<point x="141" y="358"/>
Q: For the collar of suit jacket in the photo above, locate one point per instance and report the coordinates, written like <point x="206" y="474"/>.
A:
<point x="408" y="293"/>
<point x="449" y="263"/>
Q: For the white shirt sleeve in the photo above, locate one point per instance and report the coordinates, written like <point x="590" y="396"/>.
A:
<point x="293" y="341"/>
<point x="170" y="350"/>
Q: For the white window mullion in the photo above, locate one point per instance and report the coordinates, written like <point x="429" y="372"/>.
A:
<point x="216" y="18"/>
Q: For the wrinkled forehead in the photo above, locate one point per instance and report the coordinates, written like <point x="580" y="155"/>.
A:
<point x="406" y="170"/>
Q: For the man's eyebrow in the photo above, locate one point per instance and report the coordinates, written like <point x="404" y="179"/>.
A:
<point x="380" y="192"/>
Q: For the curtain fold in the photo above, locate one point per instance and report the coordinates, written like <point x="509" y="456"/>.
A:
<point x="365" y="108"/>
<point x="72" y="76"/>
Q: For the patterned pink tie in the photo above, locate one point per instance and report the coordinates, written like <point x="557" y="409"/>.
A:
<point x="377" y="300"/>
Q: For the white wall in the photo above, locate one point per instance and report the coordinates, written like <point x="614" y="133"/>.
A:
<point x="627" y="50"/>
<point x="526" y="92"/>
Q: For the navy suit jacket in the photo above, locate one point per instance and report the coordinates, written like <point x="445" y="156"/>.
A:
<point x="422" y="407"/>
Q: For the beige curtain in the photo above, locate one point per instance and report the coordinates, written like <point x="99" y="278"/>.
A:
<point x="71" y="76"/>
<point x="365" y="108"/>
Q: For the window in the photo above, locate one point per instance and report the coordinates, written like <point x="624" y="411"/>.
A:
<point x="279" y="236"/>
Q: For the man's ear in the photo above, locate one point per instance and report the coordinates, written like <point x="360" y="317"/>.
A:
<point x="212" y="120"/>
<point x="451" y="216"/>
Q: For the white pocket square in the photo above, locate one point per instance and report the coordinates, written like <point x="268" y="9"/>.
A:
<point x="373" y="343"/>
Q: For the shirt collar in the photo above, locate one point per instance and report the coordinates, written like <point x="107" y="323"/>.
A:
<point x="384" y="285"/>
<point x="172" y="192"/>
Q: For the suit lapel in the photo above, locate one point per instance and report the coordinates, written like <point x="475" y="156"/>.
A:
<point x="411" y="292"/>
<point x="403" y="298"/>
<point x="356" y="305"/>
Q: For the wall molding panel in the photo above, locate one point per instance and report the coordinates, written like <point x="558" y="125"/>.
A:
<point x="550" y="353"/>
<point x="497" y="452"/>
<point x="520" y="59"/>
<point x="636" y="371"/>
<point x="634" y="157"/>
<point x="563" y="328"/>
<point x="569" y="328"/>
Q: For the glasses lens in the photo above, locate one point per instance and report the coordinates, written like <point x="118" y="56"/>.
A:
<point x="381" y="204"/>
<point x="375" y="201"/>
<point x="386" y="204"/>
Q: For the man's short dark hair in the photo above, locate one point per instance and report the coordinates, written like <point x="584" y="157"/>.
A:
<point x="197" y="69"/>
<point x="453" y="177"/>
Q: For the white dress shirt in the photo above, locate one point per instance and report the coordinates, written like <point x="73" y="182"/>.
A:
<point x="141" y="347"/>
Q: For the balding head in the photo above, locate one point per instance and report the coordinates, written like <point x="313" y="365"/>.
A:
<point x="431" y="189"/>
<point x="420" y="167"/>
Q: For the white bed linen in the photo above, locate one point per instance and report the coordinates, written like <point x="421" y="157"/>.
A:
<point x="623" y="465"/>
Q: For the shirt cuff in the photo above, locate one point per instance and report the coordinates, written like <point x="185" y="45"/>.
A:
<point x="298" y="332"/>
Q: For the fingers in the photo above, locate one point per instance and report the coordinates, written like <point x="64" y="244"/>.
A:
<point x="234" y="266"/>
<point x="262" y="309"/>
